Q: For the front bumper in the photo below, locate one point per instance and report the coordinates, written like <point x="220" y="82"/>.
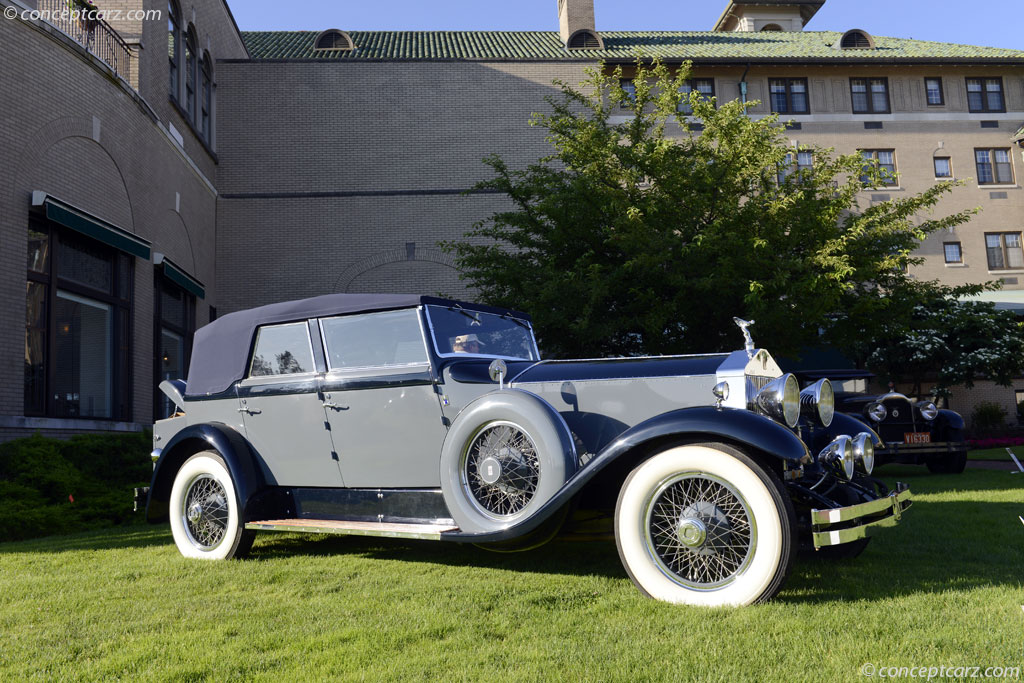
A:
<point x="897" y="450"/>
<point x="836" y="526"/>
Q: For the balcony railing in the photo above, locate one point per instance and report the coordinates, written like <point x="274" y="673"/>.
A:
<point x="94" y="34"/>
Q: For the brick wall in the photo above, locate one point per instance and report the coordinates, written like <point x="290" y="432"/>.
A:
<point x="77" y="133"/>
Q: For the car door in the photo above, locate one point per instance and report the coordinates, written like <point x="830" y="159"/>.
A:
<point x="283" y="412"/>
<point x="382" y="407"/>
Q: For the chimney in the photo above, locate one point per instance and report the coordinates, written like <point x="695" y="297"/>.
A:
<point x="576" y="24"/>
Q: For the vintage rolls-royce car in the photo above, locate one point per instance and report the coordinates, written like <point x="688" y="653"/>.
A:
<point x="912" y="432"/>
<point x="418" y="417"/>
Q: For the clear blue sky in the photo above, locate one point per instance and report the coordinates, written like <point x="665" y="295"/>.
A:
<point x="995" y="23"/>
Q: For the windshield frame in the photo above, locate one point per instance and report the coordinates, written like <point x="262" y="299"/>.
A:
<point x="523" y="323"/>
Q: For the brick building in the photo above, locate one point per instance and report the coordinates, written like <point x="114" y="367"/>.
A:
<point x="152" y="189"/>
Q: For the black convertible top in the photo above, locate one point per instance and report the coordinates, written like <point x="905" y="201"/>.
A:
<point x="220" y="350"/>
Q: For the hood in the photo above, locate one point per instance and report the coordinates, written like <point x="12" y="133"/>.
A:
<point x="520" y="372"/>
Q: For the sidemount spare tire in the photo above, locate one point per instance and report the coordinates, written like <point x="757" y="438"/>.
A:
<point x="506" y="454"/>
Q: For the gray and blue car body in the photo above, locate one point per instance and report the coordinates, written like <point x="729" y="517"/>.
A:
<point x="418" y="417"/>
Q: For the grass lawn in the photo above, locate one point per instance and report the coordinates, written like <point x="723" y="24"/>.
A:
<point x="995" y="454"/>
<point x="943" y="588"/>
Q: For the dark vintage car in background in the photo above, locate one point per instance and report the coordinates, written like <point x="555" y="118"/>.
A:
<point x="912" y="431"/>
<point x="415" y="417"/>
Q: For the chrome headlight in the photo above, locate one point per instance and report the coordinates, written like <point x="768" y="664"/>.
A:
<point x="780" y="398"/>
<point x="864" y="451"/>
<point x="818" y="401"/>
<point x="928" y="410"/>
<point x="840" y="453"/>
<point x="876" y="411"/>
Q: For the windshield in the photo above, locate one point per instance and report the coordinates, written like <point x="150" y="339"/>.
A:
<point x="458" y="331"/>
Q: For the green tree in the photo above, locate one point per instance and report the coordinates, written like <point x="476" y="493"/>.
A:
<point x="649" y="235"/>
<point x="950" y="342"/>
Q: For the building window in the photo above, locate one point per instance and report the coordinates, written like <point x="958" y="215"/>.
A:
<point x="1018" y="397"/>
<point x="985" y="94"/>
<point x="771" y="27"/>
<point x="856" y="40"/>
<point x="175" y="316"/>
<point x="706" y="88"/>
<point x="629" y="87"/>
<point x="174" y="48"/>
<point x="952" y="252"/>
<point x="585" y="40"/>
<point x="77" y="326"/>
<point x="933" y="92"/>
<point x="884" y="159"/>
<point x="190" y="74"/>
<point x="1004" y="250"/>
<point x="943" y="167"/>
<point x="206" y="98"/>
<point x="994" y="166"/>
<point x="789" y="95"/>
<point x="870" y="95"/>
<point x="333" y="39"/>
<point x="800" y="163"/>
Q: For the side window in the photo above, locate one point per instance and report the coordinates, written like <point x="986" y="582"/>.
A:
<point x="282" y="350"/>
<point x="374" y="340"/>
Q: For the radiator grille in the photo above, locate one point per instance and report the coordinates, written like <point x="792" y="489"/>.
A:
<point x="755" y="383"/>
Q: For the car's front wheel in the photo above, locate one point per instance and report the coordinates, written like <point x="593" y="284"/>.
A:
<point x="705" y="525"/>
<point x="206" y="520"/>
<point x="948" y="463"/>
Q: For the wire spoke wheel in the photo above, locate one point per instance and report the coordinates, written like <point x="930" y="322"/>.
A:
<point x="205" y="511"/>
<point x="699" y="530"/>
<point x="501" y="470"/>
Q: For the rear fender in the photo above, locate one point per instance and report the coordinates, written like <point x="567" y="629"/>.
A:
<point x="229" y="444"/>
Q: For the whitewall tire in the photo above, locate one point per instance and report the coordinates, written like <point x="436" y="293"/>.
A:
<point x="705" y="525"/>
<point x="206" y="520"/>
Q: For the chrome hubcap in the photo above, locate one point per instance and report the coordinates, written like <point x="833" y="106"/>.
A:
<point x="490" y="470"/>
<point x="195" y="512"/>
<point x="692" y="533"/>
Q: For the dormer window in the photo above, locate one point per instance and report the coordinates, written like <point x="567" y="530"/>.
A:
<point x="333" y="39"/>
<point x="585" y="39"/>
<point x="857" y="40"/>
<point x="771" y="27"/>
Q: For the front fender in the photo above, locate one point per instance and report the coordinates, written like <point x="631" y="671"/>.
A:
<point x="954" y="424"/>
<point x="229" y="444"/>
<point x="705" y="422"/>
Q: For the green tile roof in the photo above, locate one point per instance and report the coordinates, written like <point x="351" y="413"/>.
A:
<point x="619" y="45"/>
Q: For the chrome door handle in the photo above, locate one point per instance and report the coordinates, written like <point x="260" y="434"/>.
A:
<point x="250" y="411"/>
<point x="335" y="406"/>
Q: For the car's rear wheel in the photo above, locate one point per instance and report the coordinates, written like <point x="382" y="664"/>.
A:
<point x="206" y="519"/>
<point x="705" y="525"/>
<point x="954" y="462"/>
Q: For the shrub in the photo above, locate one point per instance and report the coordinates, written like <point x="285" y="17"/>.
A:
<point x="50" y="486"/>
<point x="987" y="416"/>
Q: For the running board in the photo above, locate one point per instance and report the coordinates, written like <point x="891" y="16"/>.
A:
<point x="430" y="532"/>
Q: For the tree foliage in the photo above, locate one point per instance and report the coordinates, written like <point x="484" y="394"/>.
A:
<point x="951" y="342"/>
<point x="647" y="235"/>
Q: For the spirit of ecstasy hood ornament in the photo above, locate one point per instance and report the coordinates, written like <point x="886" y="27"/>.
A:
<point x="748" y="341"/>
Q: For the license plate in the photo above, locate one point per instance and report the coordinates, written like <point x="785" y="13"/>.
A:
<point x="917" y="437"/>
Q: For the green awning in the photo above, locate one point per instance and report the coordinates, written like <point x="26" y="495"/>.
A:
<point x="84" y="222"/>
<point x="178" y="276"/>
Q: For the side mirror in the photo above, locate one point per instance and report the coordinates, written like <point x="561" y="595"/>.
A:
<point x="498" y="372"/>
